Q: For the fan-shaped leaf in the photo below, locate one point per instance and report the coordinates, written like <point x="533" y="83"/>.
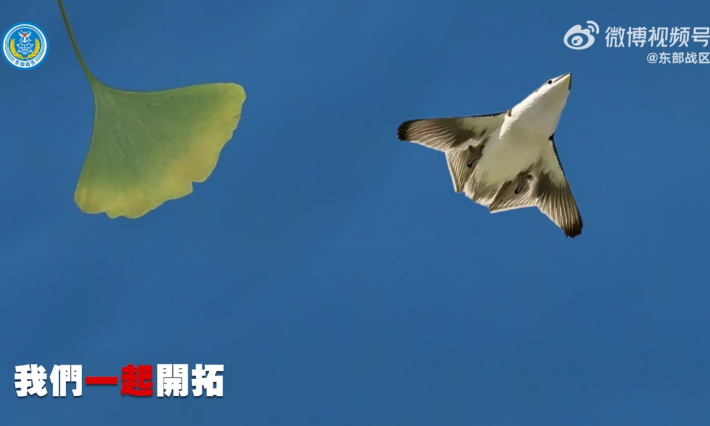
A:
<point x="148" y="147"/>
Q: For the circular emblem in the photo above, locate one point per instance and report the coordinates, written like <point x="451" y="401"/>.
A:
<point x="24" y="45"/>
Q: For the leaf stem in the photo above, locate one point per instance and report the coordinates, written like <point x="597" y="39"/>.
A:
<point x="73" y="42"/>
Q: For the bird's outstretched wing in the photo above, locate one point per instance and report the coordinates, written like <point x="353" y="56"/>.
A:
<point x="547" y="189"/>
<point x="461" y="138"/>
<point x="443" y="134"/>
<point x="553" y="193"/>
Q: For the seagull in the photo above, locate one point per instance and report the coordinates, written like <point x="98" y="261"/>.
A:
<point x="508" y="160"/>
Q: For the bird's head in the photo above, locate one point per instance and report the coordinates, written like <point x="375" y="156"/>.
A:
<point x="540" y="111"/>
<point x="552" y="95"/>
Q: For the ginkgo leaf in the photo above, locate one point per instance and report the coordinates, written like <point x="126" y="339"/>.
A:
<point x="149" y="147"/>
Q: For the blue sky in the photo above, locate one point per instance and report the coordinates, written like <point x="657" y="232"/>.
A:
<point x="330" y="267"/>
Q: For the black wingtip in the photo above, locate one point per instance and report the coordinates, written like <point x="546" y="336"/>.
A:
<point x="403" y="130"/>
<point x="574" y="231"/>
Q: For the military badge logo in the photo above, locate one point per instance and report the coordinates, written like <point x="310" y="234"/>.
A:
<point x="24" y="45"/>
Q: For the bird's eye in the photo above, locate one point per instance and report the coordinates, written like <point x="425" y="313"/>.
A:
<point x="549" y="81"/>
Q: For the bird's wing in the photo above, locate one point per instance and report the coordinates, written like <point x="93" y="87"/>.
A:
<point x="461" y="138"/>
<point x="443" y="134"/>
<point x="548" y="190"/>
<point x="553" y="194"/>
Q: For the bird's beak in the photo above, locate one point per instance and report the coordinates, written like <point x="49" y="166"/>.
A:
<point x="568" y="78"/>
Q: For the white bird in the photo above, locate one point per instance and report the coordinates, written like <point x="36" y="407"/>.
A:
<point x="508" y="160"/>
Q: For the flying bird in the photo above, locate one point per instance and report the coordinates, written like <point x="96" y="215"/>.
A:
<point x="508" y="160"/>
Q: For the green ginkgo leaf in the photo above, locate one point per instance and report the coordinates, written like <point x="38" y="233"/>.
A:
<point x="148" y="147"/>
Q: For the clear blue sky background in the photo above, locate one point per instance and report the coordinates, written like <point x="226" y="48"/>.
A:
<point x="331" y="267"/>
